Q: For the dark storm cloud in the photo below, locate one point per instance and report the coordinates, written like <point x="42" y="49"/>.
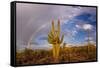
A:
<point x="30" y="17"/>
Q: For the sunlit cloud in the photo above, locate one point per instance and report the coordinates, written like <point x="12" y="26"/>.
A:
<point x="87" y="27"/>
<point x="84" y="26"/>
<point x="88" y="38"/>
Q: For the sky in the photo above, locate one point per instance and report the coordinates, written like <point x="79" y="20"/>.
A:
<point x="33" y="23"/>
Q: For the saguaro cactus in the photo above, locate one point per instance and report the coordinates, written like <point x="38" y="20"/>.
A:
<point x="54" y="39"/>
<point x="88" y="47"/>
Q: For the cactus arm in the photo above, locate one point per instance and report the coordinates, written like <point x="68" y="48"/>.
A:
<point x="50" y="35"/>
<point x="52" y="28"/>
<point x="58" y="27"/>
<point x="62" y="39"/>
<point x="50" y="39"/>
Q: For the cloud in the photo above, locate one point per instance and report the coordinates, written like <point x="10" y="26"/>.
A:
<point x="93" y="42"/>
<point x="86" y="20"/>
<point x="74" y="32"/>
<point x="88" y="38"/>
<point x="78" y="26"/>
<point x="70" y="33"/>
<point x="43" y="46"/>
<point x="30" y="17"/>
<point x="20" y="45"/>
<point x="43" y="38"/>
<point x="34" y="19"/>
<point x="84" y="26"/>
<point x="87" y="27"/>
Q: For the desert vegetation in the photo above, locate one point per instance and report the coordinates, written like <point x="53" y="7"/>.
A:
<point x="58" y="53"/>
<point x="66" y="54"/>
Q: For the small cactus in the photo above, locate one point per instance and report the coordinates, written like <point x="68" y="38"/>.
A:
<point x="54" y="39"/>
<point x="88" y="46"/>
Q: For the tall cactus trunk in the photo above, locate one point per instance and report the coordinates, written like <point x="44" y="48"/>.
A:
<point x="56" y="51"/>
<point x="88" y="47"/>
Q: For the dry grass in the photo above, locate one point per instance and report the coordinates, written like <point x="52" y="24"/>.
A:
<point x="67" y="54"/>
